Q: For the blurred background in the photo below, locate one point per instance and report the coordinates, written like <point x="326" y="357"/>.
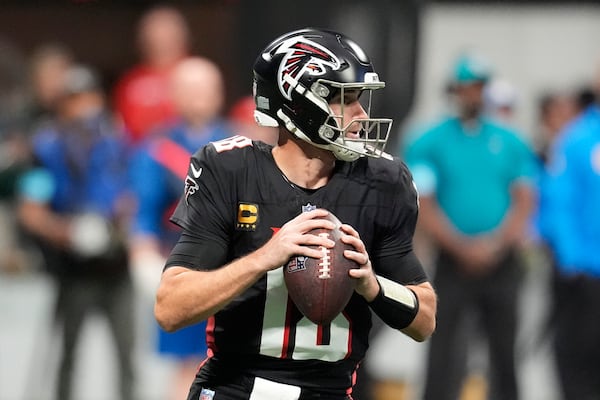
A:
<point x="534" y="47"/>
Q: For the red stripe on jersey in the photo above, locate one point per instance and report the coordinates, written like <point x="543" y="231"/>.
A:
<point x="203" y="362"/>
<point x="354" y="378"/>
<point x="210" y="336"/>
<point x="323" y="335"/>
<point x="319" y="335"/>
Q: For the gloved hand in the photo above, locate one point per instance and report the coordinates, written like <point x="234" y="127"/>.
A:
<point x="90" y="235"/>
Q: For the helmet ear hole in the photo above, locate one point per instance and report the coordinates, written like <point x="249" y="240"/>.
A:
<point x="321" y="90"/>
<point x="327" y="133"/>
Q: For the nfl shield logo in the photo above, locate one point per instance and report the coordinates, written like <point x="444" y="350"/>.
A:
<point x="297" y="264"/>
<point x="308" y="207"/>
<point x="206" y="394"/>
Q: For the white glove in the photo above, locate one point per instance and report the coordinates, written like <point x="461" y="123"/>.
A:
<point x="90" y="235"/>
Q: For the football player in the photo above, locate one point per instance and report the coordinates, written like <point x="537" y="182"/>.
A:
<point x="246" y="211"/>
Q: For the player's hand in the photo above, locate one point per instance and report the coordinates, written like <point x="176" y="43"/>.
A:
<point x="366" y="282"/>
<point x="480" y="254"/>
<point x="292" y="239"/>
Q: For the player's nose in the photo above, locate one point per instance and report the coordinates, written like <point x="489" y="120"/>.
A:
<point x="357" y="110"/>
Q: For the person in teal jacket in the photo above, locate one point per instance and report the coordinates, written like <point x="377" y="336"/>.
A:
<point x="474" y="177"/>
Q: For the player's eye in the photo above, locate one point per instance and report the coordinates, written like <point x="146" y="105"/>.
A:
<point x="351" y="96"/>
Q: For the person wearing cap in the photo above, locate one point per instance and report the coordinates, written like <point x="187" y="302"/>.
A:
<point x="474" y="178"/>
<point x="72" y="202"/>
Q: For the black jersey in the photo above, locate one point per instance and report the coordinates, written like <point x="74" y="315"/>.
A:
<point x="235" y="199"/>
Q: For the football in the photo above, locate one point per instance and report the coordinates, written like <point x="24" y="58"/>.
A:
<point x="321" y="287"/>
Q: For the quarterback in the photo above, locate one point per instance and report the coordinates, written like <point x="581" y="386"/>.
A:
<point x="248" y="207"/>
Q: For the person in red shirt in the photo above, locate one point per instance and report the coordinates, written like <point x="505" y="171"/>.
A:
<point x="141" y="95"/>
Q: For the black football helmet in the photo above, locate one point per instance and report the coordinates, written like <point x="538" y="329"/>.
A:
<point x="296" y="77"/>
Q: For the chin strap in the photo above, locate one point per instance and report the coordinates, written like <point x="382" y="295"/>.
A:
<point x="339" y="152"/>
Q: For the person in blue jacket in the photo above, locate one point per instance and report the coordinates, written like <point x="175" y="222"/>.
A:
<point x="157" y="171"/>
<point x="474" y="177"/>
<point x="74" y="204"/>
<point x="571" y="226"/>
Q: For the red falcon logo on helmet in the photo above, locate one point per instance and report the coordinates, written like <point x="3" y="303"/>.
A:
<point x="302" y="56"/>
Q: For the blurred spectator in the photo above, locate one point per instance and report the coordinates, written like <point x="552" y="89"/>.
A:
<point x="555" y="110"/>
<point x="571" y="220"/>
<point x="14" y="154"/>
<point x="241" y="115"/>
<point x="585" y="98"/>
<point x="198" y="95"/>
<point x="72" y="204"/>
<point x="474" y="179"/>
<point x="48" y="65"/>
<point x="501" y="100"/>
<point x="142" y="95"/>
<point x="13" y="89"/>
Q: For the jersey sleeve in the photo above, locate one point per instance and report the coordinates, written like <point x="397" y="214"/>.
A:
<point x="393" y="255"/>
<point x="203" y="212"/>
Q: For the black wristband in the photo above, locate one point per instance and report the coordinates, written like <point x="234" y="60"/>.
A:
<point x="395" y="311"/>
